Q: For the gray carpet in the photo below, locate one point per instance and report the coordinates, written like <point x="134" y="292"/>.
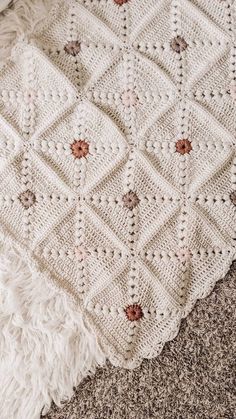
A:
<point x="194" y="378"/>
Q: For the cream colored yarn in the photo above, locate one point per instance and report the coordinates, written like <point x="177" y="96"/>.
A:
<point x="137" y="220"/>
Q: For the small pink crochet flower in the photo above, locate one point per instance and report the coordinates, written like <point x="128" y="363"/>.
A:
<point x="233" y="91"/>
<point x="81" y="253"/>
<point x="184" y="254"/>
<point x="129" y="98"/>
<point x="30" y="96"/>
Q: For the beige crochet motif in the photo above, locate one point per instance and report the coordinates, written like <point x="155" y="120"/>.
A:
<point x="117" y="154"/>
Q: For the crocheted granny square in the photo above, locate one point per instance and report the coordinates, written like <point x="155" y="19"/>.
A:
<point x="118" y="168"/>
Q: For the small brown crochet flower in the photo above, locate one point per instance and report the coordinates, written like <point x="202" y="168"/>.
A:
<point x="134" y="312"/>
<point x="27" y="198"/>
<point x="178" y="44"/>
<point x="120" y="2"/>
<point x="80" y="148"/>
<point x="183" y="146"/>
<point x="130" y="200"/>
<point x="72" y="48"/>
<point x="233" y="197"/>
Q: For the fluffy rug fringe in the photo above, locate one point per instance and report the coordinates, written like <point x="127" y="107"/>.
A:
<point x="46" y="348"/>
<point x="22" y="19"/>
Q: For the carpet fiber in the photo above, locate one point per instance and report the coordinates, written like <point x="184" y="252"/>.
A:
<point x="193" y="378"/>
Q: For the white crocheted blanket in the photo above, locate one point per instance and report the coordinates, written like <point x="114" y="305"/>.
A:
<point x="117" y="162"/>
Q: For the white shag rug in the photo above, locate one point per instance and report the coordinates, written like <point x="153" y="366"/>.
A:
<point x="46" y="347"/>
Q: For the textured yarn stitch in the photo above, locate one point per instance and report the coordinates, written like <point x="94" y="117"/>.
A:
<point x="118" y="167"/>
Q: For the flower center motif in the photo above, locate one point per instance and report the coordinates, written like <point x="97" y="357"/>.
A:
<point x="233" y="91"/>
<point x="29" y="96"/>
<point x="233" y="197"/>
<point x="178" y="44"/>
<point x="120" y="2"/>
<point x="80" y="149"/>
<point x="129" y="98"/>
<point x="27" y="199"/>
<point x="183" y="146"/>
<point x="134" y="312"/>
<point x="184" y="254"/>
<point x="72" y="48"/>
<point x="130" y="200"/>
<point x="81" y="253"/>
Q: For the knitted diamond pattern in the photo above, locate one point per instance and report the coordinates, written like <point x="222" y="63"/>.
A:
<point x="117" y="161"/>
